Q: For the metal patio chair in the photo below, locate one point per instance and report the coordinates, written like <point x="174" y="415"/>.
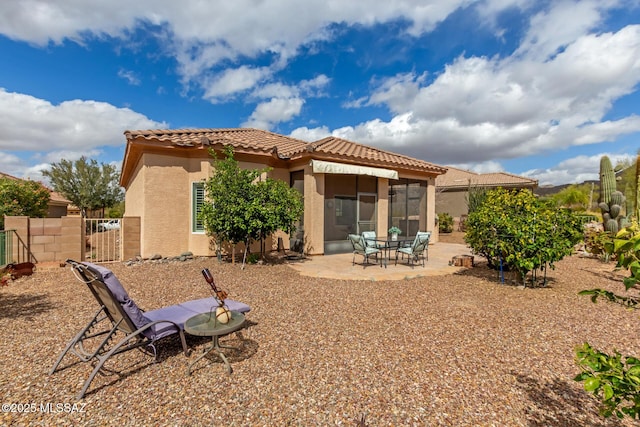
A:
<point x="360" y="248"/>
<point x="418" y="249"/>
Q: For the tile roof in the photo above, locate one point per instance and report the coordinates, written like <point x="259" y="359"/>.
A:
<point x="342" y="148"/>
<point x="245" y="138"/>
<point x="284" y="147"/>
<point x="459" y="178"/>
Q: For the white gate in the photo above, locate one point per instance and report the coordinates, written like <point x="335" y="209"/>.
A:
<point x="102" y="239"/>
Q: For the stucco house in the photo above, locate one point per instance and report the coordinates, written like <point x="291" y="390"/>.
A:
<point x="452" y="188"/>
<point x="347" y="187"/>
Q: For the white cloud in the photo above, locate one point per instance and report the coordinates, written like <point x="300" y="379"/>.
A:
<point x="200" y="35"/>
<point x="310" y="135"/>
<point x="232" y="81"/>
<point x="274" y="111"/>
<point x="484" y="167"/>
<point x="28" y="123"/>
<point x="481" y="109"/>
<point x="284" y="101"/>
<point x="129" y="76"/>
<point x="575" y="170"/>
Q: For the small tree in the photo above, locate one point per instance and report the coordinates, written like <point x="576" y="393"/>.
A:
<point x="243" y="208"/>
<point x="86" y="184"/>
<point x="20" y="197"/>
<point x="574" y="197"/>
<point x="514" y="230"/>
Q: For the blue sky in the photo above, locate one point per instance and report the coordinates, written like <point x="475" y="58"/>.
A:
<point x="536" y="88"/>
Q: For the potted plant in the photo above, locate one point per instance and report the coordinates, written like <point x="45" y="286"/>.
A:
<point x="394" y="231"/>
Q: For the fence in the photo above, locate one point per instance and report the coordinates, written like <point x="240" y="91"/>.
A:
<point x="13" y="249"/>
<point x="57" y="239"/>
<point x="103" y="237"/>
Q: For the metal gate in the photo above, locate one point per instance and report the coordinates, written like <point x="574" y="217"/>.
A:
<point x="5" y="247"/>
<point x="103" y="237"/>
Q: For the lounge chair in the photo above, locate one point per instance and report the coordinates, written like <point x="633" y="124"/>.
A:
<point x="119" y="325"/>
<point x="360" y="248"/>
<point x="418" y="249"/>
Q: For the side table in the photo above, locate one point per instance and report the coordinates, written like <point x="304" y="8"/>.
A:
<point x="206" y="325"/>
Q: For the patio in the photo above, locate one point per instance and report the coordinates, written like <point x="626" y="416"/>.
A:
<point x="340" y="267"/>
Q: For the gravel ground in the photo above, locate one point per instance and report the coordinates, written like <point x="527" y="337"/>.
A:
<point x="458" y="350"/>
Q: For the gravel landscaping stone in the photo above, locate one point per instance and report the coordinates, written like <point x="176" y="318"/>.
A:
<point x="453" y="350"/>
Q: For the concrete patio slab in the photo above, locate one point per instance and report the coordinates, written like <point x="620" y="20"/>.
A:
<point x="340" y="267"/>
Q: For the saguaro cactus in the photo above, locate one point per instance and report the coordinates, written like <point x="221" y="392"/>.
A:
<point x="607" y="179"/>
<point x="611" y="212"/>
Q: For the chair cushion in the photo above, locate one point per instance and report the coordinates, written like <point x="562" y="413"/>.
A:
<point x="179" y="313"/>
<point x="137" y="316"/>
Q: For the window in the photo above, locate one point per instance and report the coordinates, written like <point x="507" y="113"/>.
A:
<point x="407" y="205"/>
<point x="197" y="200"/>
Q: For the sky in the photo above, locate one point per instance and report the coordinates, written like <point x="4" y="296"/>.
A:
<point x="540" y="89"/>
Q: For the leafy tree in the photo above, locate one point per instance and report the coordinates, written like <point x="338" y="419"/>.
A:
<point x="244" y="208"/>
<point x="514" y="229"/>
<point x="615" y="379"/>
<point x="574" y="197"/>
<point x="20" y="197"/>
<point x="86" y="184"/>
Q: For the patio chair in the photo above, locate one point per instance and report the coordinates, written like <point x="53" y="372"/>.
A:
<point x="370" y="240"/>
<point x="360" y="248"/>
<point x="120" y="325"/>
<point x="418" y="249"/>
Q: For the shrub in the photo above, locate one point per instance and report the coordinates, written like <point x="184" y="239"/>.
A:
<point x="613" y="378"/>
<point x="596" y="241"/>
<point x="514" y="229"/>
<point x="445" y="223"/>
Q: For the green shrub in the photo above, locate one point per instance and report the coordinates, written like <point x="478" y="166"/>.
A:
<point x="445" y="223"/>
<point x="613" y="378"/>
<point x="514" y="229"/>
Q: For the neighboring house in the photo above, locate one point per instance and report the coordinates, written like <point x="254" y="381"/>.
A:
<point x="452" y="188"/>
<point x="57" y="203"/>
<point x="347" y="187"/>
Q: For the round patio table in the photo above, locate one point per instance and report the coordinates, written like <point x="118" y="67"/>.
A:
<point x="206" y="325"/>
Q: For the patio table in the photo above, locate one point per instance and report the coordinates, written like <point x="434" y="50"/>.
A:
<point x="387" y="245"/>
<point x="206" y="325"/>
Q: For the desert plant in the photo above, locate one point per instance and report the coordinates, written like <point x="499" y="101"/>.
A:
<point x="445" y="223"/>
<point x="612" y="217"/>
<point x="476" y="195"/>
<point x="596" y="242"/>
<point x="607" y="180"/>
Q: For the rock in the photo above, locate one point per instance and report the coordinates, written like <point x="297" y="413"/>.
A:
<point x="156" y="257"/>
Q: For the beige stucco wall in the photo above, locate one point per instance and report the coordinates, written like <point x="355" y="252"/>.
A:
<point x="161" y="195"/>
<point x="453" y="202"/>
<point x="313" y="212"/>
<point x="383" y="207"/>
